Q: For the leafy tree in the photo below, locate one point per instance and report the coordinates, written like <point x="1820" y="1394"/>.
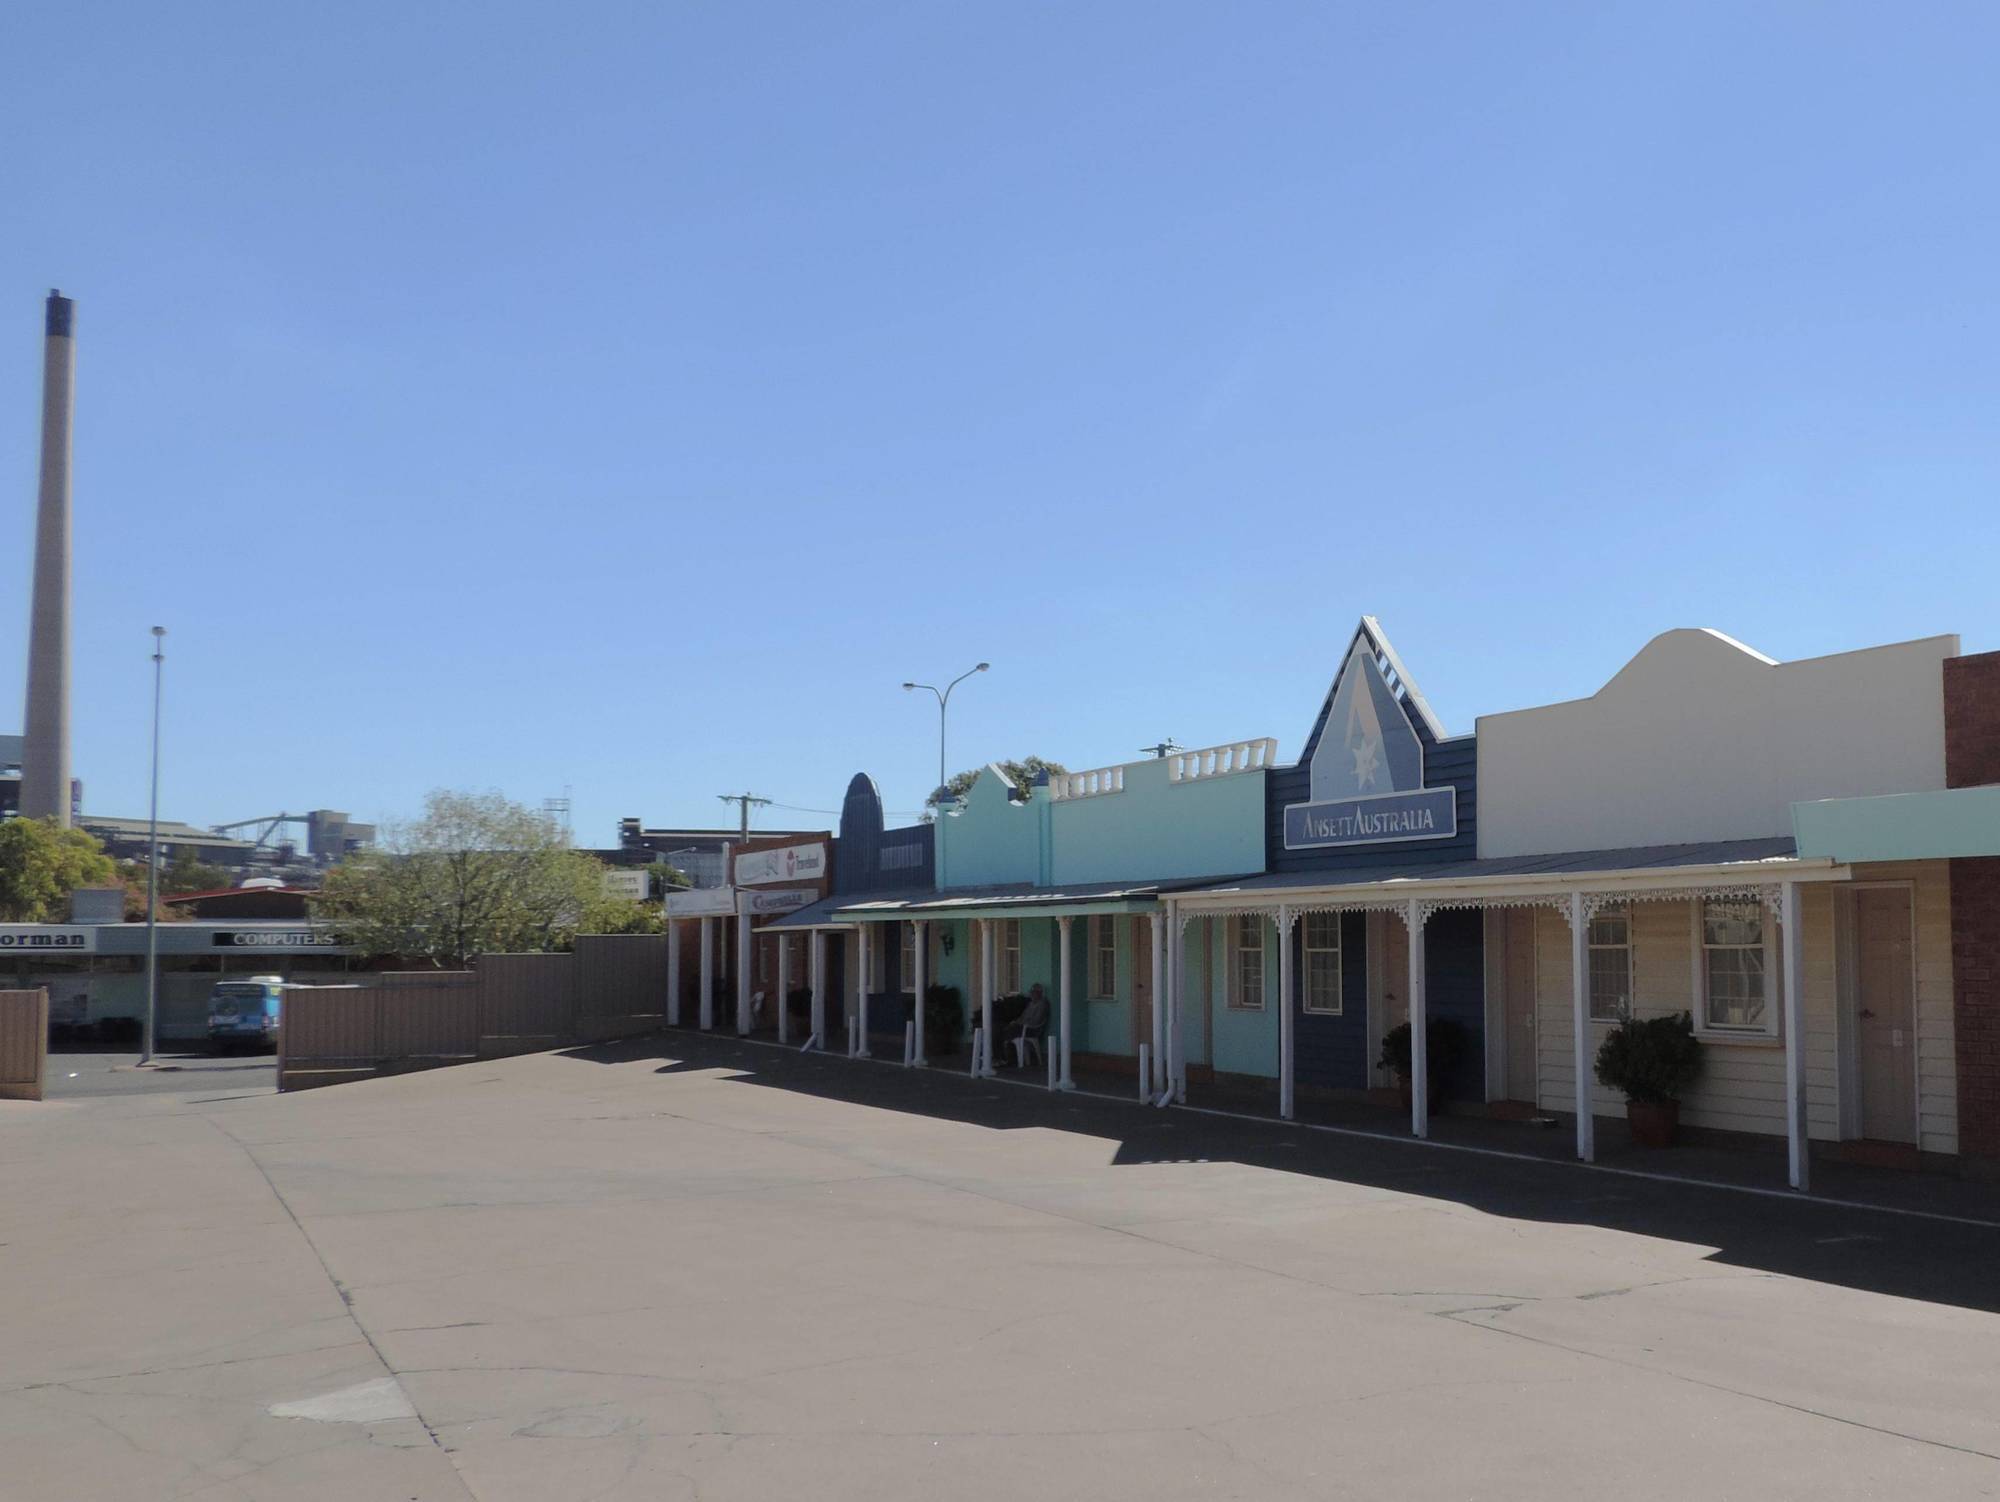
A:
<point x="663" y="878"/>
<point x="133" y="875"/>
<point x="41" y="864"/>
<point x="1021" y="773"/>
<point x="477" y="874"/>
<point x="186" y="874"/>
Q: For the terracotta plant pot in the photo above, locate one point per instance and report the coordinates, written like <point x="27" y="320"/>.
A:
<point x="1653" y="1122"/>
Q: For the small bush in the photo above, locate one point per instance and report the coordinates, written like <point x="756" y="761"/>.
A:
<point x="944" y="1019"/>
<point x="1444" y="1038"/>
<point x="1652" y="1060"/>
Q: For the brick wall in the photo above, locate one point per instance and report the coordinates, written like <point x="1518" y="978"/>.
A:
<point x="1972" y="759"/>
<point x="1972" y="720"/>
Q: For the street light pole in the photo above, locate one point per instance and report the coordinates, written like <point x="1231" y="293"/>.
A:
<point x="944" y="699"/>
<point x="153" y="861"/>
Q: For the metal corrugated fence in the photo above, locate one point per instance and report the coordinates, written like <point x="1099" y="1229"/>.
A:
<point x="24" y="1043"/>
<point x="612" y="986"/>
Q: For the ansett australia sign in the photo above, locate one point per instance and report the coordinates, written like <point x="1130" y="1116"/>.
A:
<point x="1368" y="770"/>
<point x="792" y="863"/>
<point x="39" y="938"/>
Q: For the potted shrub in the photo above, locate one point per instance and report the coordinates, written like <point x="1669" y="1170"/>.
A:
<point x="1444" y="1040"/>
<point x="1652" y="1060"/>
<point x="944" y="1020"/>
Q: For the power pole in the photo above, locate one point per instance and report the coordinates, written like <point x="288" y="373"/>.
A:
<point x="744" y="802"/>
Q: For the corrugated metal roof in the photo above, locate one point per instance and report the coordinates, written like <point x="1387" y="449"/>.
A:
<point x="1561" y="863"/>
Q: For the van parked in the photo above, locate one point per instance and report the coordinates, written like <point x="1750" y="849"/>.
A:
<point x="244" y="1011"/>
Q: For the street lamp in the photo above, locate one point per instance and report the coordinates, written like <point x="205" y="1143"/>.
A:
<point x="153" y="860"/>
<point x="944" y="698"/>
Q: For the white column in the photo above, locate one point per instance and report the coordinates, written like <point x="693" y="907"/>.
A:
<point x="1176" y="1061"/>
<point x="1794" y="972"/>
<point x="1583" y="1063"/>
<point x="1420" y="1025"/>
<point x="742" y="974"/>
<point x="819" y="986"/>
<point x="1287" y="1051"/>
<point x="1063" y="1081"/>
<point x="1156" y="936"/>
<point x="987" y="938"/>
<point x="707" y="974"/>
<point x="920" y="932"/>
<point x="784" y="987"/>
<point x="673" y="972"/>
<point x="864" y="934"/>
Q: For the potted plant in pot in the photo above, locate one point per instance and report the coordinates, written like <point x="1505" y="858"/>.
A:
<point x="944" y="1019"/>
<point x="1444" y="1040"/>
<point x="1652" y="1060"/>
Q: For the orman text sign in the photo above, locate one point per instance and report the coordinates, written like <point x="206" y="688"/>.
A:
<point x="38" y="938"/>
<point x="1424" y="814"/>
<point x="792" y="863"/>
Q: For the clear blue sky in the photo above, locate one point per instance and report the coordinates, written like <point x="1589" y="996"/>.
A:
<point x="631" y="397"/>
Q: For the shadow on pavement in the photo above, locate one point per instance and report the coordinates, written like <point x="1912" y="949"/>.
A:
<point x="1876" y="1250"/>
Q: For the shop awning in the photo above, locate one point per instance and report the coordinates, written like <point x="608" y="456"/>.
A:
<point x="1017" y="901"/>
<point x="1714" y="863"/>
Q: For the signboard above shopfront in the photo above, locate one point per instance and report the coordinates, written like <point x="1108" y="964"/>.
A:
<point x="792" y="863"/>
<point x="785" y="900"/>
<point x="1368" y="770"/>
<point x="273" y="938"/>
<point x="702" y="902"/>
<point x="46" y="939"/>
<point x="627" y="881"/>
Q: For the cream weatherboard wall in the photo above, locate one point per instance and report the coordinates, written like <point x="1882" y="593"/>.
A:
<point x="1700" y="738"/>
<point x="1742" y="1084"/>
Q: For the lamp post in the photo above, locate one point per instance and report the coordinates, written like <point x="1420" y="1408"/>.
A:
<point x="944" y="698"/>
<point x="153" y="860"/>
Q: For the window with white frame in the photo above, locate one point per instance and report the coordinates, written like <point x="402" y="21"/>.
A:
<point x="1010" y="956"/>
<point x="906" y="969"/>
<point x="1322" y="963"/>
<point x="1246" y="962"/>
<point x="1103" y="958"/>
<point x="1735" y="971"/>
<point x="1611" y="963"/>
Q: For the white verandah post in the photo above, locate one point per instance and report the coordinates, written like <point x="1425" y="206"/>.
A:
<point x="784" y="987"/>
<point x="920" y="984"/>
<point x="1793" y="965"/>
<point x="819" y="987"/>
<point x="1420" y="1021"/>
<point x="1579" y="966"/>
<point x="1156" y="937"/>
<point x="1063" y="1080"/>
<point x="673" y="972"/>
<point x="1176" y="1012"/>
<point x="864" y="934"/>
<point x="743" y="970"/>
<point x="988" y="938"/>
<point x="1287" y="1029"/>
<point x="707" y="998"/>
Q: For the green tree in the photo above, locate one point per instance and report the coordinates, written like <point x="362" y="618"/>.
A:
<point x="1021" y="773"/>
<point x="477" y="874"/>
<point x="664" y="878"/>
<point x="185" y="874"/>
<point x="41" y="864"/>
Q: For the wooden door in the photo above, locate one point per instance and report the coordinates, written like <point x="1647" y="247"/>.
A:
<point x="1519" y="1010"/>
<point x="1142" y="982"/>
<point x="1886" y="1013"/>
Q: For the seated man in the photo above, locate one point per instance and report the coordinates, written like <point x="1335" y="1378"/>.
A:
<point x="1032" y="1024"/>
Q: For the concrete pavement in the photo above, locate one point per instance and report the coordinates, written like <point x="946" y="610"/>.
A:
<point x="695" y="1268"/>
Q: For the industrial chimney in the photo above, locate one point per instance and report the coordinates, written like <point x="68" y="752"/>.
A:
<point x="45" y="744"/>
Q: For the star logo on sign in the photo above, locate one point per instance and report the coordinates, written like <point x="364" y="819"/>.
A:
<point x="1366" y="757"/>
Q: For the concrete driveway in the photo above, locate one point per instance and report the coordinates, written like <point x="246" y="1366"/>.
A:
<point x="693" y="1268"/>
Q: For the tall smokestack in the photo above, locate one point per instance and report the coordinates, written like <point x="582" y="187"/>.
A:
<point x="45" y="745"/>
